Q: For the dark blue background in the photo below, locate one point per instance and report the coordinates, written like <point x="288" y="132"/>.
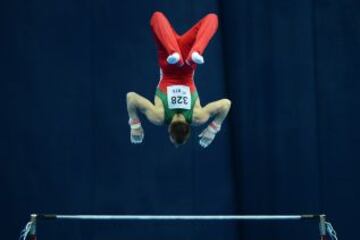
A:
<point x="290" y="145"/>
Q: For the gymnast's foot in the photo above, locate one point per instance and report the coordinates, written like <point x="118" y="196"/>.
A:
<point x="195" y="58"/>
<point x="174" y="58"/>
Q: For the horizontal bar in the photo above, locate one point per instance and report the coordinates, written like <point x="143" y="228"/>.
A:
<point x="177" y="217"/>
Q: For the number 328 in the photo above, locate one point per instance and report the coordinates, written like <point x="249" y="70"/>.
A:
<point x="179" y="100"/>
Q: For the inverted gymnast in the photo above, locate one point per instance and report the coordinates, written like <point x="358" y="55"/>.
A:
<point x="176" y="100"/>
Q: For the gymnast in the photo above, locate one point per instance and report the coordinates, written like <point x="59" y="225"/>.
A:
<point x="176" y="100"/>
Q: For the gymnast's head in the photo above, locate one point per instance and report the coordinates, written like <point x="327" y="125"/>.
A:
<point x="179" y="131"/>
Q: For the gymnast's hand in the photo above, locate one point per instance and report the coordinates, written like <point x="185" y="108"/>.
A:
<point x="208" y="134"/>
<point x="136" y="131"/>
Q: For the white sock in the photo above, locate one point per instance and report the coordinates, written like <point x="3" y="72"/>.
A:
<point x="197" y="58"/>
<point x="173" y="58"/>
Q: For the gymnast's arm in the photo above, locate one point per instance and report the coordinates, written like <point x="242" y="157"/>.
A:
<point x="153" y="112"/>
<point x="218" y="110"/>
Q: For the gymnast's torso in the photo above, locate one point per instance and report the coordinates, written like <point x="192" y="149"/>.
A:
<point x="177" y="91"/>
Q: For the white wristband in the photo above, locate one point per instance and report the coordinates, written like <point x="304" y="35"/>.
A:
<point x="134" y="123"/>
<point x="135" y="126"/>
<point x="214" y="127"/>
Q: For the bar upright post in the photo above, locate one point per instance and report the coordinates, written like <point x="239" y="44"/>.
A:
<point x="322" y="227"/>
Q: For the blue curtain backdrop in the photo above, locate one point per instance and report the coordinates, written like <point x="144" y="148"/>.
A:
<point x="290" y="144"/>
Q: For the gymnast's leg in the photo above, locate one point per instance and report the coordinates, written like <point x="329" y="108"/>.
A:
<point x="195" y="40"/>
<point x="166" y="37"/>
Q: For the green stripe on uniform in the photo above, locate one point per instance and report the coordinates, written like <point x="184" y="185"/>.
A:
<point x="169" y="113"/>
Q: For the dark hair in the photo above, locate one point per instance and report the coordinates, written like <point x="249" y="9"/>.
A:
<point x="179" y="132"/>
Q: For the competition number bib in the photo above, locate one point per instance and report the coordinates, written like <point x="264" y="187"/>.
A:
<point x="179" y="97"/>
